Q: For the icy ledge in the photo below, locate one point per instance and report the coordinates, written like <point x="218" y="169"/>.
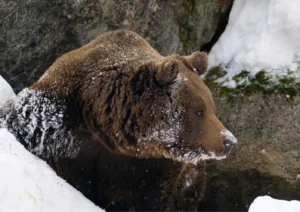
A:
<point x="29" y="184"/>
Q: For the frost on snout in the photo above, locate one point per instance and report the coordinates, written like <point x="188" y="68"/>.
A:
<point x="229" y="141"/>
<point x="219" y="151"/>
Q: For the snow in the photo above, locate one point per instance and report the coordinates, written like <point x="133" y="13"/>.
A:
<point x="260" y="35"/>
<point x="27" y="183"/>
<point x="195" y="157"/>
<point x="229" y="136"/>
<point x="266" y="203"/>
<point x="6" y="92"/>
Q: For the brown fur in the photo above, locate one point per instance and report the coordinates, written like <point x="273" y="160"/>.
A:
<point x="117" y="91"/>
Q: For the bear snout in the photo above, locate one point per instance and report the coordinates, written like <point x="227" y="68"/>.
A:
<point x="228" y="144"/>
<point x="229" y="141"/>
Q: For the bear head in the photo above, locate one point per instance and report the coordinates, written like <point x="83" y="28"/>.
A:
<point x="173" y="112"/>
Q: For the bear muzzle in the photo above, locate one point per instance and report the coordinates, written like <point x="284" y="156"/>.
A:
<point x="229" y="141"/>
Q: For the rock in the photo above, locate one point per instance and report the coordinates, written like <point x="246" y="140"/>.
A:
<point x="266" y="160"/>
<point x="33" y="33"/>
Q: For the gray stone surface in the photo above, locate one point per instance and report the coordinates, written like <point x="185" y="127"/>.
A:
<point x="33" y="33"/>
<point x="266" y="160"/>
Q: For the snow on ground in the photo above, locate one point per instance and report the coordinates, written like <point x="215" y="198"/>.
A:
<point x="266" y="203"/>
<point x="260" y="35"/>
<point x="6" y="92"/>
<point x="27" y="183"/>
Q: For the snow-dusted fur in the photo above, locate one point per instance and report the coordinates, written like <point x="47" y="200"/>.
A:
<point x="168" y="131"/>
<point x="37" y="122"/>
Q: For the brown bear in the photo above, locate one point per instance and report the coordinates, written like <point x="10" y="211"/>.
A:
<point x="124" y="125"/>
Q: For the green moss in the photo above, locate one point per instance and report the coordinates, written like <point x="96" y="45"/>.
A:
<point x="247" y="85"/>
<point x="187" y="29"/>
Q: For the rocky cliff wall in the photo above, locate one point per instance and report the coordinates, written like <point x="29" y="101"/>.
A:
<point x="266" y="160"/>
<point x="33" y="33"/>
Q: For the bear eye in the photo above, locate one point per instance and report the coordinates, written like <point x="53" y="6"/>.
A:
<point x="200" y="113"/>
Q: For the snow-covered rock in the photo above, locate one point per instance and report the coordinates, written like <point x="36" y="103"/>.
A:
<point x="268" y="204"/>
<point x="28" y="184"/>
<point x="6" y="91"/>
<point x="260" y="35"/>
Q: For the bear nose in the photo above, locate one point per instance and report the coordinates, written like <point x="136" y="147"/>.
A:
<point x="228" y="143"/>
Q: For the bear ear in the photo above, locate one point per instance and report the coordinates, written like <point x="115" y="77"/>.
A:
<point x="167" y="72"/>
<point x="151" y="74"/>
<point x="199" y="61"/>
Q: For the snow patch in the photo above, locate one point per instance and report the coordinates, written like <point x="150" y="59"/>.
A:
<point x="196" y="156"/>
<point x="228" y="135"/>
<point x="6" y="91"/>
<point x="260" y="35"/>
<point x="266" y="203"/>
<point x="29" y="184"/>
